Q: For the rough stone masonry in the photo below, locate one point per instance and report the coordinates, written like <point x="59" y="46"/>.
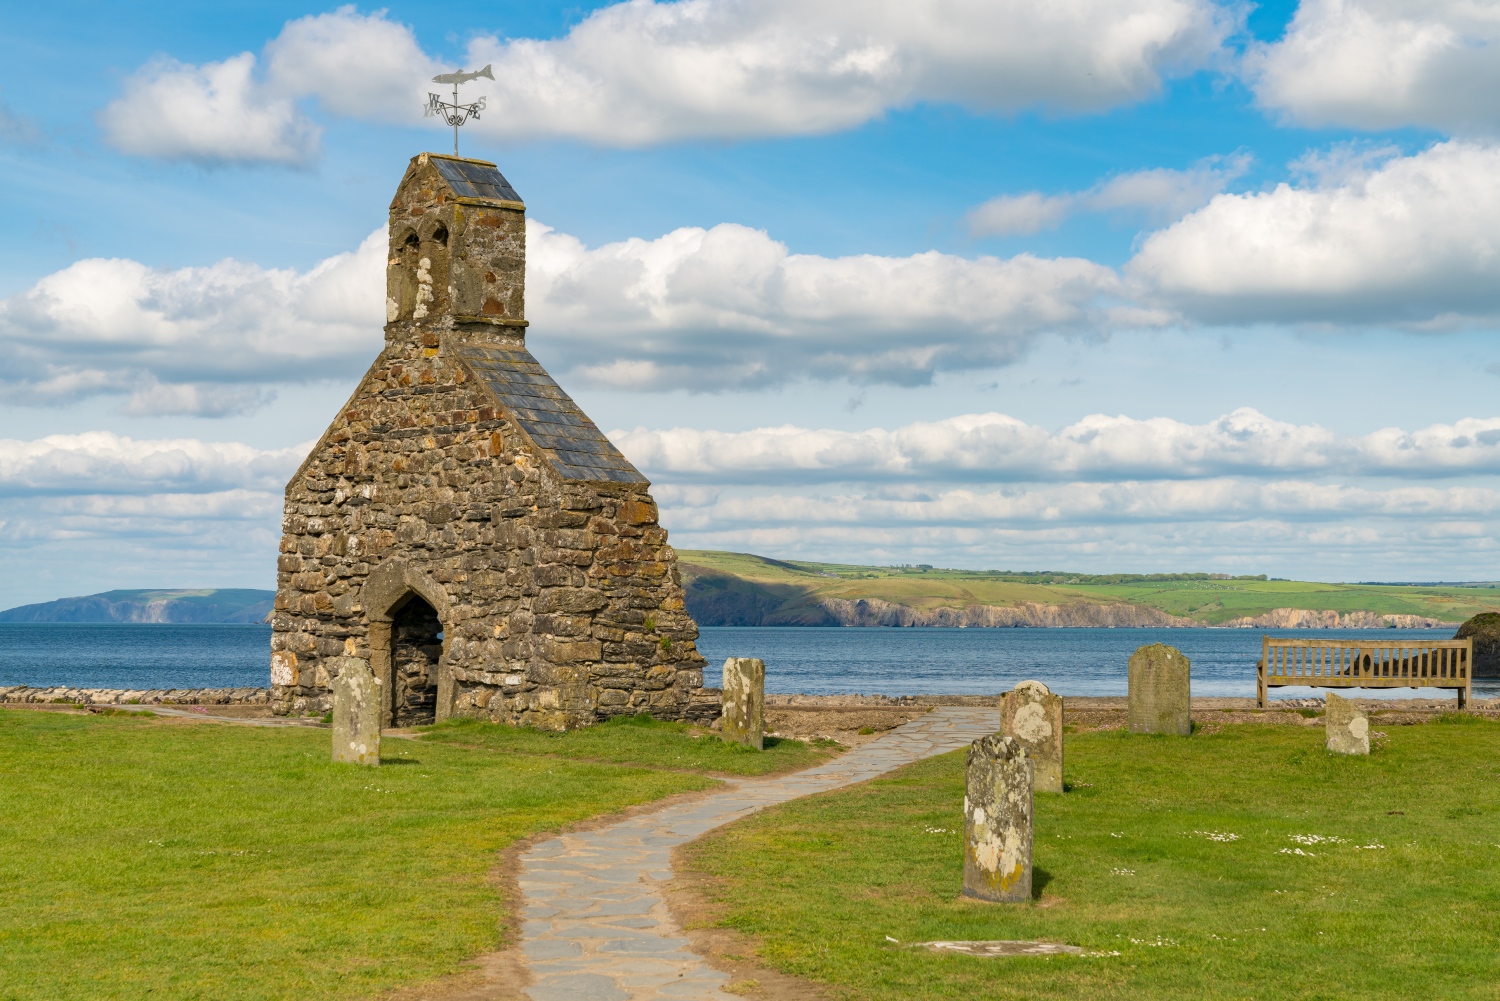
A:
<point x="462" y="526"/>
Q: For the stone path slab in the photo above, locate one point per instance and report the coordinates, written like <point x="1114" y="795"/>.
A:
<point x="595" y="925"/>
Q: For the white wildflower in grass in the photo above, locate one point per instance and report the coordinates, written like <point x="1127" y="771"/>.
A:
<point x="1295" y="851"/>
<point x="1122" y="872"/>
<point x="937" y="830"/>
<point x="1372" y="844"/>
<point x="1160" y="942"/>
<point x="1316" y="839"/>
<point x="1112" y="952"/>
<point x="1114" y="835"/>
<point x="1221" y="836"/>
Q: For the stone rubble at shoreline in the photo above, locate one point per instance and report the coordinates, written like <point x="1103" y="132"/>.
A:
<point x="145" y="697"/>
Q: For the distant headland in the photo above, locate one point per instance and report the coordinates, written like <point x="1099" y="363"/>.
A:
<point x="741" y="589"/>
<point x="182" y="605"/>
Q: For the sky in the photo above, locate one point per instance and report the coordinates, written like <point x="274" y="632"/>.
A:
<point x="1093" y="285"/>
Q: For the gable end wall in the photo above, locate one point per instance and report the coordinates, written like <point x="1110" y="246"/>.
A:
<point x="563" y="601"/>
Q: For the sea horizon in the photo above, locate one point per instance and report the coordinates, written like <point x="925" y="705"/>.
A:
<point x="810" y="660"/>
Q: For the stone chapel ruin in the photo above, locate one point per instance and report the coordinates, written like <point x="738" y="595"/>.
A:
<point x="462" y="526"/>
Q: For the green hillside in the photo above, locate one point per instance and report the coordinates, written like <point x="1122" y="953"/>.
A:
<point x="735" y="588"/>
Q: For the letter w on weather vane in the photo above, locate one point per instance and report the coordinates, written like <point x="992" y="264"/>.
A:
<point x="452" y="112"/>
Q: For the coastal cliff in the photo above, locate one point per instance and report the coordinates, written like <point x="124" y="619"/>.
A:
<point x="875" y="612"/>
<point x="1302" y="618"/>
<point x="742" y="589"/>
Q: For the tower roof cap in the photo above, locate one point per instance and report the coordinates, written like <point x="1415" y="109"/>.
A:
<point x="473" y="178"/>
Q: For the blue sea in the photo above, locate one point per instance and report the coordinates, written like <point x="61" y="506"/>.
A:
<point x="818" y="661"/>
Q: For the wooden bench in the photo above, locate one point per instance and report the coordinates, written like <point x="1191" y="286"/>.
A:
<point x="1365" y="664"/>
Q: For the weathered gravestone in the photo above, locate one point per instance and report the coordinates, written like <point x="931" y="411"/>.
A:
<point x="356" y="713"/>
<point x="745" y="701"/>
<point x="1034" y="716"/>
<point x="1346" y="728"/>
<point x="1159" y="691"/>
<point x="997" y="821"/>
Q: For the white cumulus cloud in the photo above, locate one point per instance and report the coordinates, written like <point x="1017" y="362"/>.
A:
<point x="729" y="306"/>
<point x="707" y="309"/>
<point x="1381" y="64"/>
<point x="202" y="340"/>
<point x="996" y="447"/>
<point x="102" y="462"/>
<point x="1164" y="194"/>
<point x="1243" y="493"/>
<point x="213" y="113"/>
<point x="642" y="72"/>
<point x="1293" y="527"/>
<point x="1413" y="240"/>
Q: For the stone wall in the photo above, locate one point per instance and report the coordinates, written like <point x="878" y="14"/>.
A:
<point x="557" y="595"/>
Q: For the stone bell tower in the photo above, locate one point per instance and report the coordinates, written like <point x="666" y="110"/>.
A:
<point x="463" y="528"/>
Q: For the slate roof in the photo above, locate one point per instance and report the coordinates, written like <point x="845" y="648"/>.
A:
<point x="576" y="448"/>
<point x="474" y="178"/>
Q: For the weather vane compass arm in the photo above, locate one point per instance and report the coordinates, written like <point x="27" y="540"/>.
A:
<point x="452" y="112"/>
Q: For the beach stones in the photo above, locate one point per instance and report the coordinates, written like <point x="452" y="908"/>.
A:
<point x="1159" y="691"/>
<point x="997" y="821"/>
<point x="744" y="697"/>
<point x="356" y="712"/>
<point x="1347" y="730"/>
<point x="1034" y="716"/>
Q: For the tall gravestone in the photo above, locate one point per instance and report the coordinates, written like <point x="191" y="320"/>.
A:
<point x="1034" y="716"/>
<point x="745" y="701"/>
<point x="1346" y="730"/>
<point x="356" y="713"/>
<point x="1160" y="688"/>
<point x="997" y="821"/>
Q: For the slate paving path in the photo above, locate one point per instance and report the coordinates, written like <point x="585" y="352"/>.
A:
<point x="596" y="927"/>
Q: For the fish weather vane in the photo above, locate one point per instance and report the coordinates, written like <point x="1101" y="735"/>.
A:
<point x="453" y="113"/>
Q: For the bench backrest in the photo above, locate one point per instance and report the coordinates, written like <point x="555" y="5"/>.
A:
<point x="1427" y="663"/>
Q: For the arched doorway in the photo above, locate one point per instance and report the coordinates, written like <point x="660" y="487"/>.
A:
<point x="416" y="645"/>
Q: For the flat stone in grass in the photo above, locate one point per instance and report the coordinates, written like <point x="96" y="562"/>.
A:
<point x="745" y="701"/>
<point x="356" y="712"/>
<point x="1346" y="728"/>
<point x="997" y="821"/>
<point x="1034" y="716"/>
<point x="1159" y="691"/>
<point x="1001" y="947"/>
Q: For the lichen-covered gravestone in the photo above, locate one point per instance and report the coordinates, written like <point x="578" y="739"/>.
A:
<point x="1159" y="691"/>
<point x="997" y="821"/>
<point x="1034" y="716"/>
<point x="356" y="712"/>
<point x="745" y="701"/>
<point x="1346" y="728"/>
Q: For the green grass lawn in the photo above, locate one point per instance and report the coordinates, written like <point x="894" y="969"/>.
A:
<point x="143" y="857"/>
<point x="639" y="741"/>
<point x="1204" y="862"/>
